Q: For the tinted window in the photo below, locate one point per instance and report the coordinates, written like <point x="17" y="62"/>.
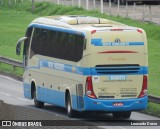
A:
<point x="57" y="44"/>
<point x="26" y="45"/>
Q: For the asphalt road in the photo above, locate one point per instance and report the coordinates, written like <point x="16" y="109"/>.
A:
<point x="11" y="91"/>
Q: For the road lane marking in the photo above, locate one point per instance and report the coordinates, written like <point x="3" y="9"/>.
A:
<point x="120" y="127"/>
<point x="23" y="99"/>
<point x="11" y="79"/>
<point x="5" y="94"/>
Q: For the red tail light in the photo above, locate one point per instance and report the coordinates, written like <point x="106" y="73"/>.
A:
<point x="93" y="31"/>
<point x="139" y="30"/>
<point x="89" y="88"/>
<point x="144" y="87"/>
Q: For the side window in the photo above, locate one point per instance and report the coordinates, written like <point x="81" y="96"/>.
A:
<point x="26" y="45"/>
<point x="79" y="46"/>
<point x="74" y="47"/>
<point x="62" y="47"/>
<point x="52" y="38"/>
<point x="36" y="44"/>
<point x="57" y="44"/>
<point x="45" y="43"/>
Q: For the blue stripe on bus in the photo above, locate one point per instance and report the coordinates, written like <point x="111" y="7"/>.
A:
<point x="48" y="27"/>
<point x="85" y="103"/>
<point x="86" y="71"/>
<point x="98" y="42"/>
<point x="130" y="104"/>
<point x="51" y="96"/>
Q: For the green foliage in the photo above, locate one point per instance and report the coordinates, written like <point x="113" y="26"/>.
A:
<point x="13" y="25"/>
<point x="153" y="109"/>
<point x="10" y="69"/>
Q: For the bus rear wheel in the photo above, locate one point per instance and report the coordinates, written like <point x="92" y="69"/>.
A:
<point x="70" y="111"/>
<point x="126" y="114"/>
<point x="37" y="103"/>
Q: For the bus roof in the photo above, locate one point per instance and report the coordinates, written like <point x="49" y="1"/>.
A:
<point x="83" y="23"/>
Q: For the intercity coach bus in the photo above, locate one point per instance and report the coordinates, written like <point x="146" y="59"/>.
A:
<point x="85" y="63"/>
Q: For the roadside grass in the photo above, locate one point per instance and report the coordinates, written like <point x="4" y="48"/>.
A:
<point x="15" y="19"/>
<point x="13" y="25"/>
<point x="10" y="69"/>
<point x="153" y="109"/>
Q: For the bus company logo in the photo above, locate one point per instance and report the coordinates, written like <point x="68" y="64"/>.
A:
<point x="95" y="78"/>
<point x="117" y="59"/>
<point x="117" y="40"/>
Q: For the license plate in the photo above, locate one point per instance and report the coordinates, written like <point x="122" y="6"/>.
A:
<point x="119" y="104"/>
<point x="117" y="77"/>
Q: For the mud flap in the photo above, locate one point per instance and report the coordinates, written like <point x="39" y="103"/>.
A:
<point x="27" y="91"/>
<point x="79" y="93"/>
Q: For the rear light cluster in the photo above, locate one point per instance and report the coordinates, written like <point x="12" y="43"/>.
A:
<point x="89" y="88"/>
<point x="93" y="31"/>
<point x="139" y="30"/>
<point x="90" y="93"/>
<point x="144" y="87"/>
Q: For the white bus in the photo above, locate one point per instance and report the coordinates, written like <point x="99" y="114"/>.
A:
<point x="85" y="63"/>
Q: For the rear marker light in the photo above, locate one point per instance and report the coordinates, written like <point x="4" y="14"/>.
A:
<point x="93" y="31"/>
<point x="144" y="87"/>
<point x="89" y="88"/>
<point x="139" y="30"/>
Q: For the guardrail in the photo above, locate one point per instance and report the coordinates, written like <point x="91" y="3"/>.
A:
<point x="154" y="99"/>
<point x="14" y="63"/>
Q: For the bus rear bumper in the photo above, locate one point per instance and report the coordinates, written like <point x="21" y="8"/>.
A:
<point x="108" y="105"/>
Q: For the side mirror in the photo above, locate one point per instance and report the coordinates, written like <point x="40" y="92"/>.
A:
<point x="18" y="46"/>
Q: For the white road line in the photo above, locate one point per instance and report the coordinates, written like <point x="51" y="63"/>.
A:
<point x="11" y="79"/>
<point x="25" y="100"/>
<point x="120" y="127"/>
<point x="5" y="94"/>
<point x="22" y="99"/>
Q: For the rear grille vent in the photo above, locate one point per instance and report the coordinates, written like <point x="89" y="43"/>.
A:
<point x="117" y="69"/>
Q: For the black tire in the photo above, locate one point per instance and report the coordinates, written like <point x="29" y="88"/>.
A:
<point x="118" y="115"/>
<point x="150" y="2"/>
<point x="126" y="114"/>
<point x="122" y="2"/>
<point x="115" y="1"/>
<point x="69" y="109"/>
<point x="130" y="2"/>
<point x="37" y="103"/>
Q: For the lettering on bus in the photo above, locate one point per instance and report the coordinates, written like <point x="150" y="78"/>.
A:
<point x="116" y="44"/>
<point x="117" y="59"/>
<point x="59" y="66"/>
<point x="50" y="65"/>
<point x="118" y="77"/>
